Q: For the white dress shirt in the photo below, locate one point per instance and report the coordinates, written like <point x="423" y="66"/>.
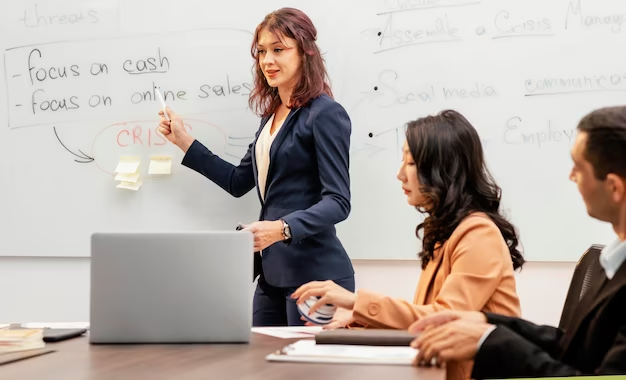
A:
<point x="263" y="145"/>
<point x="612" y="257"/>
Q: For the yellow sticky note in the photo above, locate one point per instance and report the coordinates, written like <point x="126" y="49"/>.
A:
<point x="127" y="177"/>
<point x="128" y="165"/>
<point x="130" y="185"/>
<point x="160" y="165"/>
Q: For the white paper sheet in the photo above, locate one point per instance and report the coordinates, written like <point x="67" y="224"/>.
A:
<point x="289" y="332"/>
<point x="309" y="351"/>
<point x="56" y="325"/>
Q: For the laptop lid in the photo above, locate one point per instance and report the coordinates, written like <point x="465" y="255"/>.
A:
<point x="171" y="287"/>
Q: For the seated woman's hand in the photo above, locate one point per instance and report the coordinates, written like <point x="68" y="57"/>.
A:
<point x="342" y="318"/>
<point x="328" y="292"/>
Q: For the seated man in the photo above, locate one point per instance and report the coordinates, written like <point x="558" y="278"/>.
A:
<point x="593" y="342"/>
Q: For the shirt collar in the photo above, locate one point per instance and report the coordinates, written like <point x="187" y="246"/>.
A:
<point x="612" y="257"/>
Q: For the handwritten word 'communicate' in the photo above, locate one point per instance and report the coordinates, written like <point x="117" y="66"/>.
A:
<point x="561" y="85"/>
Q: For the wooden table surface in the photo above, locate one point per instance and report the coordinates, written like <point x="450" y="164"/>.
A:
<point x="77" y="359"/>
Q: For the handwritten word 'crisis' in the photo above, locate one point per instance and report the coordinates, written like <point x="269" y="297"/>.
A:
<point x="138" y="134"/>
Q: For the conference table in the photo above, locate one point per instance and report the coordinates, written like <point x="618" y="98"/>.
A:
<point x="77" y="359"/>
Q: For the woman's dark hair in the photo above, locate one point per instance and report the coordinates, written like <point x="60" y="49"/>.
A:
<point x="292" y="23"/>
<point x="454" y="181"/>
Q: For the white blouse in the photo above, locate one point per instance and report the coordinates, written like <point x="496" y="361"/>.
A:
<point x="263" y="145"/>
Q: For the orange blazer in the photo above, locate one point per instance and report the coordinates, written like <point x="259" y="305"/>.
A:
<point x="473" y="270"/>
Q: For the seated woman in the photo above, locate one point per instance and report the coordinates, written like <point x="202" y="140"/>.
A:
<point x="469" y="250"/>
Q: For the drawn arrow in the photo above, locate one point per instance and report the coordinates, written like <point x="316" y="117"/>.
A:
<point x="85" y="158"/>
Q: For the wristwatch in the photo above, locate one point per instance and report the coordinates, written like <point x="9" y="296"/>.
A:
<point x="286" y="230"/>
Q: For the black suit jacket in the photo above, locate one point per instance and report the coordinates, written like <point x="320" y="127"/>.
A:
<point x="308" y="186"/>
<point x="592" y="342"/>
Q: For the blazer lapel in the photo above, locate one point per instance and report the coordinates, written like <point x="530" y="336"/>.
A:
<point x="253" y="156"/>
<point x="427" y="277"/>
<point x="278" y="140"/>
<point x="280" y="137"/>
<point x="601" y="289"/>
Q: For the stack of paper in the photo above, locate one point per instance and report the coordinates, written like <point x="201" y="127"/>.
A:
<point x="310" y="351"/>
<point x="20" y="340"/>
<point x="160" y="165"/>
<point x="128" y="173"/>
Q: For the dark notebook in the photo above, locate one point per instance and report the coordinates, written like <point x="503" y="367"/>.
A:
<point x="367" y="337"/>
<point x="57" y="335"/>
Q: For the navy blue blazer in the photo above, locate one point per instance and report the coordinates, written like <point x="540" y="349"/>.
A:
<point x="308" y="186"/>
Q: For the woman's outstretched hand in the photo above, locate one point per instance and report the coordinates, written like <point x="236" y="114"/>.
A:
<point x="174" y="130"/>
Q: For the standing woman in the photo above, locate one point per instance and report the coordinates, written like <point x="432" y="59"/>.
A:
<point x="298" y="162"/>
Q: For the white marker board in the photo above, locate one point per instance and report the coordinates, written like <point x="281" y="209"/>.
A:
<point x="77" y="94"/>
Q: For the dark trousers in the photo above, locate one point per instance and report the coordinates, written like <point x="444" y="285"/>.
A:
<point x="272" y="306"/>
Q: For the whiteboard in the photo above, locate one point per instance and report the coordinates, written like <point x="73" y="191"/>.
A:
<point x="77" y="95"/>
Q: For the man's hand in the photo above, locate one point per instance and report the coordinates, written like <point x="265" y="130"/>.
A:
<point x="452" y="341"/>
<point x="443" y="317"/>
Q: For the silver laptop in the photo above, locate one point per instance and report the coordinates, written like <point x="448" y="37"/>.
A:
<point x="172" y="287"/>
